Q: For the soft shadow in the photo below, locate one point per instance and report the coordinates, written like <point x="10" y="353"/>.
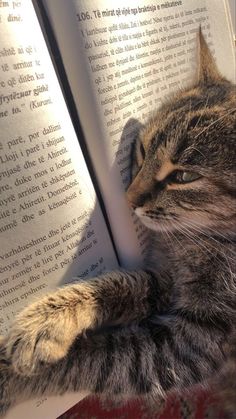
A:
<point x="127" y="138"/>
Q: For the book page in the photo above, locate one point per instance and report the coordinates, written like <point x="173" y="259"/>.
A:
<point x="232" y="11"/>
<point x="122" y="62"/>
<point x="45" y="408"/>
<point x="51" y="226"/>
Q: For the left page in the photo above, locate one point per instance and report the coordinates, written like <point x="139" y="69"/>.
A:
<point x="51" y="225"/>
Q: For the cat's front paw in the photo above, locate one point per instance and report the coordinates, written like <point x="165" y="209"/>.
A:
<point x="6" y="390"/>
<point x="5" y="401"/>
<point x="42" y="333"/>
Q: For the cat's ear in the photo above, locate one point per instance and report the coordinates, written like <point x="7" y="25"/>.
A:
<point x="208" y="72"/>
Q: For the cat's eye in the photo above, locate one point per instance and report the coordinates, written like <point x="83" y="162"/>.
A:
<point x="180" y="176"/>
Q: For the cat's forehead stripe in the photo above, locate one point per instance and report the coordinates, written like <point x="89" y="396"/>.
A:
<point x="166" y="168"/>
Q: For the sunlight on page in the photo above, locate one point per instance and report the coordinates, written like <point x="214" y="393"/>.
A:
<point x="53" y="227"/>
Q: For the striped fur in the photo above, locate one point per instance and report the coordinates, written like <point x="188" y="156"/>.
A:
<point x="172" y="325"/>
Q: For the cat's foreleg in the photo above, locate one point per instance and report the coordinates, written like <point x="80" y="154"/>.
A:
<point x="45" y="330"/>
<point x="147" y="360"/>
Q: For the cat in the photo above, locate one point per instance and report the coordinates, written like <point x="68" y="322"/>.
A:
<point x="170" y="326"/>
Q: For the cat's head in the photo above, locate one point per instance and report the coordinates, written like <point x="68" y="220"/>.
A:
<point x="184" y="163"/>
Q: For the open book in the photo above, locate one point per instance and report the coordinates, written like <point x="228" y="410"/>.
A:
<point x="79" y="75"/>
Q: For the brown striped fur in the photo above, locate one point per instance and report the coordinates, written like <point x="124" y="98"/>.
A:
<point x="172" y="325"/>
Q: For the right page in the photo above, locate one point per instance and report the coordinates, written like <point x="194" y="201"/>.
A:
<point x="122" y="62"/>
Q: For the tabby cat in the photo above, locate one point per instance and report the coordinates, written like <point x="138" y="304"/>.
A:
<point x="170" y="326"/>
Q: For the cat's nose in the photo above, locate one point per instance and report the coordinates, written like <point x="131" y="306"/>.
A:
<point x="138" y="192"/>
<point x="131" y="199"/>
<point x="136" y="199"/>
<point x="131" y="204"/>
<point x="131" y="196"/>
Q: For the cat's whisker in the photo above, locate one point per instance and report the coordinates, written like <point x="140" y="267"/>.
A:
<point x="226" y="257"/>
<point x="197" y="240"/>
<point x="217" y="249"/>
<point x="185" y="232"/>
<point x="176" y="239"/>
<point x="206" y="231"/>
<point x="203" y="109"/>
<point x="214" y="122"/>
<point x="165" y="233"/>
<point x="201" y="231"/>
<point x="216" y="232"/>
<point x="194" y="148"/>
<point x="175" y="223"/>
